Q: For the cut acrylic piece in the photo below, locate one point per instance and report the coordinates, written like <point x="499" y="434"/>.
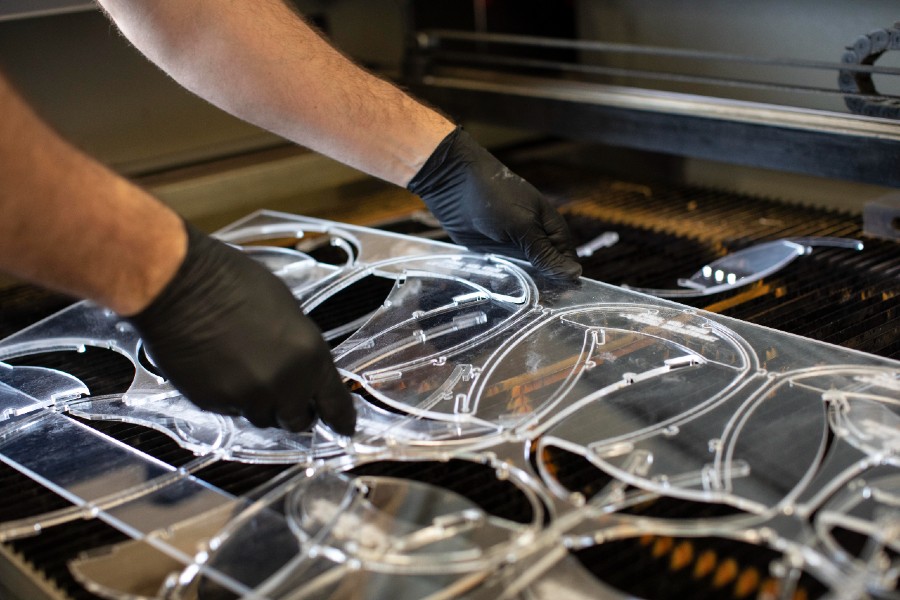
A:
<point x="299" y="271"/>
<point x="131" y="491"/>
<point x="80" y="325"/>
<point x="137" y="569"/>
<point x="204" y="432"/>
<point x="103" y="474"/>
<point x="479" y="358"/>
<point x="716" y="455"/>
<point x="860" y="524"/>
<point x="24" y="389"/>
<point x="438" y="329"/>
<point x="398" y="524"/>
<point x="592" y="355"/>
<point x="336" y="534"/>
<point x="41" y="446"/>
<point x="746" y="266"/>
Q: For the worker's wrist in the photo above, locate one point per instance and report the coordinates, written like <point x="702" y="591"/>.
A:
<point x="163" y="257"/>
<point x="429" y="143"/>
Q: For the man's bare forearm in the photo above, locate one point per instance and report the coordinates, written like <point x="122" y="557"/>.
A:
<point x="262" y="63"/>
<point x="71" y="224"/>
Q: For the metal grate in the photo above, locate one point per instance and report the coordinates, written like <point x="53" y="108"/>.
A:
<point x="699" y="568"/>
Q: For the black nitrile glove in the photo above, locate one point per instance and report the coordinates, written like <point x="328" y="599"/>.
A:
<point x="487" y="208"/>
<point x="232" y="338"/>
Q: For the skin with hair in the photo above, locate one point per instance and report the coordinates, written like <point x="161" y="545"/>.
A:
<point x="71" y="224"/>
<point x="261" y="62"/>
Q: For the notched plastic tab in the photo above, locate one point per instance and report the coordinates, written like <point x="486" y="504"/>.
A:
<point x="25" y="389"/>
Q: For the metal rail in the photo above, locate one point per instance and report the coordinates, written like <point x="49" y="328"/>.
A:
<point x="432" y="39"/>
<point x="587" y="69"/>
<point x="822" y="143"/>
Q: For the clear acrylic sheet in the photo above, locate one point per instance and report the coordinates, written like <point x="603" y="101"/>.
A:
<point x="479" y="357"/>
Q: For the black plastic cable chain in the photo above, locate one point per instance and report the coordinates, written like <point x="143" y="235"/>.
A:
<point x="865" y="51"/>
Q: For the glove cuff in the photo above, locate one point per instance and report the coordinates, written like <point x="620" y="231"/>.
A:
<point x="421" y="183"/>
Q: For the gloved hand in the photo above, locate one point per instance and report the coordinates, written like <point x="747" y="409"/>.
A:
<point x="232" y="338"/>
<point x="487" y="208"/>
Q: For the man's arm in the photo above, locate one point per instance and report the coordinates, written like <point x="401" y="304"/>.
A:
<point x="224" y="330"/>
<point x="74" y="225"/>
<point x="261" y="62"/>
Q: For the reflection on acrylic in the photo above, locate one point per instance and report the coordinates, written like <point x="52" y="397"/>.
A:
<point x="600" y="407"/>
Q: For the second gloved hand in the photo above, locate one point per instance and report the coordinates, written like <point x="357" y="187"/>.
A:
<point x="232" y="338"/>
<point x="487" y="208"/>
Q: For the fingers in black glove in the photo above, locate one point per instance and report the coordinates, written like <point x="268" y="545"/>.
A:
<point x="488" y="208"/>
<point x="232" y="338"/>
